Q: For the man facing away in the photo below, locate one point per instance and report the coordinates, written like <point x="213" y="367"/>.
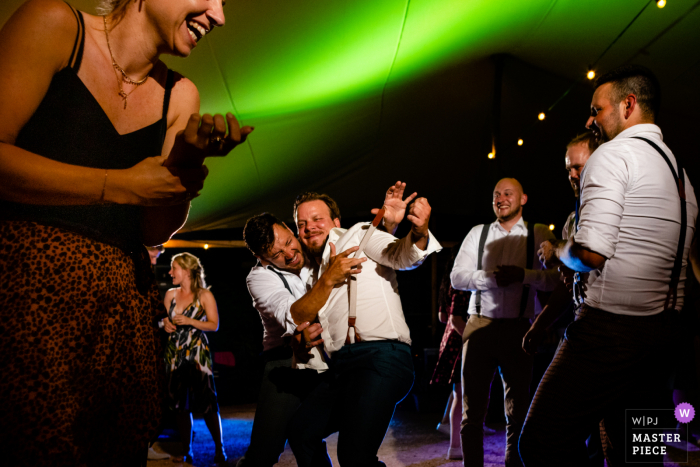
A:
<point x="369" y="377"/>
<point x="504" y="283"/>
<point x="617" y="354"/>
<point x="275" y="283"/>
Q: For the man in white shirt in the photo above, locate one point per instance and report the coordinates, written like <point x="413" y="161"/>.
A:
<point x="367" y="378"/>
<point x="275" y="283"/>
<point x="619" y="351"/>
<point x="578" y="151"/>
<point x="504" y="282"/>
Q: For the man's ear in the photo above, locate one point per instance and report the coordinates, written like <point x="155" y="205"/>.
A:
<point x="523" y="199"/>
<point x="336" y="222"/>
<point x="628" y="105"/>
<point x="262" y="260"/>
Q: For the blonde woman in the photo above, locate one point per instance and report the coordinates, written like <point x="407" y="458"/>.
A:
<point x="101" y="150"/>
<point x="188" y="363"/>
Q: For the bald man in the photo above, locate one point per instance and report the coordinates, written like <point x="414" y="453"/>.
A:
<point x="497" y="264"/>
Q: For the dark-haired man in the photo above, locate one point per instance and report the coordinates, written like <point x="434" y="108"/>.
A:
<point x="275" y="283"/>
<point x="635" y="226"/>
<point x="369" y="377"/>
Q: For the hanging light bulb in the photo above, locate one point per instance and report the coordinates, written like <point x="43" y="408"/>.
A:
<point x="551" y="226"/>
<point x="206" y="246"/>
<point x="590" y="74"/>
<point x="541" y="116"/>
<point x="520" y="142"/>
<point x="661" y="3"/>
<point x="491" y="155"/>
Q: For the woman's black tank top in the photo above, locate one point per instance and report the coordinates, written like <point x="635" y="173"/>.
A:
<point x="70" y="126"/>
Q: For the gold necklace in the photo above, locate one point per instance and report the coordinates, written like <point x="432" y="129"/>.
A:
<point x="117" y="69"/>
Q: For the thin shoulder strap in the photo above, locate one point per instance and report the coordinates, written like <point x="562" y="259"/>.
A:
<point x="169" y="81"/>
<point x="482" y="244"/>
<point x="528" y="264"/>
<point x="679" y="177"/>
<point x="168" y="88"/>
<point x="76" y="56"/>
<point x="284" y="281"/>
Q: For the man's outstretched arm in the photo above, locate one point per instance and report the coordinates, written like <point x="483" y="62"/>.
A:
<point x="570" y="254"/>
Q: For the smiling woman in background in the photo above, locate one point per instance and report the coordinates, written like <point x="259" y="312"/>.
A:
<point x="94" y="163"/>
<point x="188" y="363"/>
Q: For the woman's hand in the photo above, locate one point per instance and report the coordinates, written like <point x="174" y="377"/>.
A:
<point x="149" y="183"/>
<point x="169" y="326"/>
<point x="181" y="320"/>
<point x="205" y="136"/>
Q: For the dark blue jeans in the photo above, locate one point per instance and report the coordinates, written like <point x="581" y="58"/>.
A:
<point x="356" y="399"/>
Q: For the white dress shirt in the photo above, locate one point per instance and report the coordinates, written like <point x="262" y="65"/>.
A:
<point x="567" y="232"/>
<point x="502" y="248"/>
<point x="569" y="228"/>
<point x="273" y="301"/>
<point x="630" y="214"/>
<point x="379" y="312"/>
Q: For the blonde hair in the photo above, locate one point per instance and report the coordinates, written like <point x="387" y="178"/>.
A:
<point x="116" y="8"/>
<point x="190" y="262"/>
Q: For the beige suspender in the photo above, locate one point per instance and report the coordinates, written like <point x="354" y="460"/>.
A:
<point x="353" y="336"/>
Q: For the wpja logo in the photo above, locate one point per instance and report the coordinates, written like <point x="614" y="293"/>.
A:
<point x="650" y="433"/>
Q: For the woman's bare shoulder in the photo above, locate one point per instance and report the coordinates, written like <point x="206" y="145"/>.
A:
<point x="171" y="292"/>
<point x="205" y="294"/>
<point x="45" y="18"/>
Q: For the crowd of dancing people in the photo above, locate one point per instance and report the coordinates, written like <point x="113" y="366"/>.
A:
<point x="102" y="148"/>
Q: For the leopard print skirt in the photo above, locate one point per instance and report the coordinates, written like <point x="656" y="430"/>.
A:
<point x="81" y="363"/>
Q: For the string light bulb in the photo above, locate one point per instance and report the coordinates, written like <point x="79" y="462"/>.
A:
<point x="520" y="142"/>
<point x="206" y="246"/>
<point x="551" y="226"/>
<point x="491" y="155"/>
<point x="541" y="116"/>
<point x="661" y="3"/>
<point x="590" y="74"/>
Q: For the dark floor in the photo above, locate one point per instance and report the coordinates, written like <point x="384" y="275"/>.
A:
<point x="412" y="441"/>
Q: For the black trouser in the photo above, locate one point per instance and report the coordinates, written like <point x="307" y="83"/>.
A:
<point x="281" y="393"/>
<point x="607" y="363"/>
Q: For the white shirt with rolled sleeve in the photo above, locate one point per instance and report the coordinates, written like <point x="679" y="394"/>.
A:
<point x="630" y="214"/>
<point x="273" y="301"/>
<point x="502" y="248"/>
<point x="379" y="312"/>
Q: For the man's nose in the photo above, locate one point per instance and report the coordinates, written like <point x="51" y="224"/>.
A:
<point x="589" y="122"/>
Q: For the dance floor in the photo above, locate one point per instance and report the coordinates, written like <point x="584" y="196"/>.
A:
<point x="412" y="441"/>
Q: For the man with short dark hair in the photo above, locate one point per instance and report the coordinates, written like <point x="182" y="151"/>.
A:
<point x="636" y="222"/>
<point x="275" y="283"/>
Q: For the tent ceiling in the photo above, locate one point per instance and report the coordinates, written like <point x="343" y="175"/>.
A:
<point x="348" y="96"/>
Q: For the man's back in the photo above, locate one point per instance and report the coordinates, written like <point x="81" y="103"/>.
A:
<point x="636" y="225"/>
